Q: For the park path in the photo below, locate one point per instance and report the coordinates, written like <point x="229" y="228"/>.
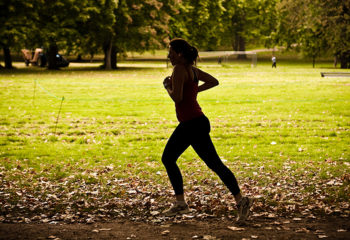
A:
<point x="259" y="228"/>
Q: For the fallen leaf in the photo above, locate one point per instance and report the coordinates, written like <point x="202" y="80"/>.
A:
<point x="235" y="228"/>
<point x="166" y="232"/>
<point x="302" y="230"/>
<point x="341" y="230"/>
<point x="154" y="213"/>
<point x="322" y="236"/>
<point x="208" y="237"/>
<point x="105" y="229"/>
<point x="165" y="225"/>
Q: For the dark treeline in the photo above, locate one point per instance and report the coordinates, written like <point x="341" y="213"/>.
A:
<point x="313" y="27"/>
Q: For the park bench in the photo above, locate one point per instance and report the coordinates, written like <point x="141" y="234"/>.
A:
<point x="335" y="74"/>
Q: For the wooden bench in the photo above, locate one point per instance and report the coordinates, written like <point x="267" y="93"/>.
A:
<point x="335" y="74"/>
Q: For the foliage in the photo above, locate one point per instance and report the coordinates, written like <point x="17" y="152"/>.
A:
<point x="335" y="22"/>
<point x="54" y="22"/>
<point x="314" y="27"/>
<point x="247" y="21"/>
<point x="14" y="22"/>
<point x="142" y="26"/>
<point x="199" y="22"/>
<point x="91" y="26"/>
<point x="96" y="26"/>
<point x="16" y="19"/>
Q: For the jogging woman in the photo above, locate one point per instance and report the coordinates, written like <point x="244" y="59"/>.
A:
<point x="194" y="127"/>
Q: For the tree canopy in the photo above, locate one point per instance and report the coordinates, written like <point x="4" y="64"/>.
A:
<point x="314" y="27"/>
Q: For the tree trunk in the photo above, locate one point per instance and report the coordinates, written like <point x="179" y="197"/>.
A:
<point x="53" y="50"/>
<point x="313" y="61"/>
<point x="8" y="59"/>
<point x="235" y="41"/>
<point x="79" y="58"/>
<point x="241" y="47"/>
<point x="344" y="60"/>
<point x="114" y="57"/>
<point x="238" y="44"/>
<point x="108" y="53"/>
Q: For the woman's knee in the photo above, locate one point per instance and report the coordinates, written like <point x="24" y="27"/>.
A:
<point x="167" y="159"/>
<point x="216" y="166"/>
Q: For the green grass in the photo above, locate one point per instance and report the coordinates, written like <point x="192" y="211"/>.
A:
<point x="260" y="117"/>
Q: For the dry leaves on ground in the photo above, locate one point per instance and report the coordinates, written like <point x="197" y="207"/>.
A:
<point x="27" y="196"/>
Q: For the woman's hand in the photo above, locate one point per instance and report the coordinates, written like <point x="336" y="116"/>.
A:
<point x="167" y="82"/>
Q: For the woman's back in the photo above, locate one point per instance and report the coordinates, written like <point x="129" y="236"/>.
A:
<point x="189" y="108"/>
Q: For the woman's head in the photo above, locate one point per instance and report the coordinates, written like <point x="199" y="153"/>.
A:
<point x="180" y="49"/>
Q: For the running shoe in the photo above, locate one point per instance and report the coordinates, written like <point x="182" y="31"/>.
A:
<point x="244" y="209"/>
<point x="176" y="209"/>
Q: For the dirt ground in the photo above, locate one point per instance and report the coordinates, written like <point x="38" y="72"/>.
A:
<point x="215" y="228"/>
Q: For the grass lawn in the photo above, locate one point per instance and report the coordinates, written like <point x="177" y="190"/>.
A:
<point x="281" y="131"/>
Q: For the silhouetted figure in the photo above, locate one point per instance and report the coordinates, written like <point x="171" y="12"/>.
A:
<point x="273" y="62"/>
<point x="194" y="127"/>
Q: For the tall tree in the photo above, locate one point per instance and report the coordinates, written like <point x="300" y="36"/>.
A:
<point x="335" y="22"/>
<point x="315" y="27"/>
<point x="16" y="19"/>
<point x="56" y="25"/>
<point x="199" y="21"/>
<point x="141" y="26"/>
<point x="247" y="20"/>
<point x="298" y="29"/>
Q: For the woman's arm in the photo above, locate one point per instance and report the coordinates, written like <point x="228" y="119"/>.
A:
<point x="209" y="80"/>
<point x="175" y="91"/>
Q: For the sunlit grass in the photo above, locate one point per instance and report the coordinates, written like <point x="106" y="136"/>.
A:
<point x="260" y="116"/>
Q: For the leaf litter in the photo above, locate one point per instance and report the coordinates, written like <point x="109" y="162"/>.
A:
<point x="28" y="196"/>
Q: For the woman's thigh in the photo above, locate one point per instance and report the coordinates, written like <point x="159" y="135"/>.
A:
<point x="177" y="144"/>
<point x="205" y="149"/>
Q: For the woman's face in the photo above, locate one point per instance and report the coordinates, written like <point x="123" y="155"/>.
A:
<point x="174" y="57"/>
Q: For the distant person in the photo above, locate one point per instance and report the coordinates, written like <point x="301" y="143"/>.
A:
<point x="219" y="60"/>
<point x="194" y="127"/>
<point x="335" y="61"/>
<point x="273" y="62"/>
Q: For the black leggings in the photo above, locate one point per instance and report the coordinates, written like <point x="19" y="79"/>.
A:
<point x="195" y="133"/>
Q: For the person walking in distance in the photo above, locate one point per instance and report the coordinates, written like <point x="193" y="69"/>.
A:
<point x="194" y="127"/>
<point x="273" y="61"/>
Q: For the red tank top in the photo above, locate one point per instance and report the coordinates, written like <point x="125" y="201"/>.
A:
<point x="189" y="108"/>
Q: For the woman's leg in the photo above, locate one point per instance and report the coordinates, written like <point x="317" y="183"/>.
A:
<point x="176" y="145"/>
<point x="205" y="149"/>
